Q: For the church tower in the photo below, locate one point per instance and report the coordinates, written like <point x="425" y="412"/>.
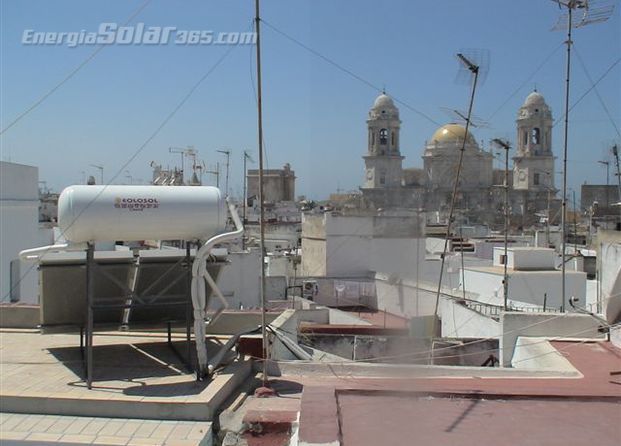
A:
<point x="533" y="168"/>
<point x="383" y="161"/>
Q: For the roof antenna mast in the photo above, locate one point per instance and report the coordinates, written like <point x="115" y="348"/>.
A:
<point x="578" y="13"/>
<point x="471" y="63"/>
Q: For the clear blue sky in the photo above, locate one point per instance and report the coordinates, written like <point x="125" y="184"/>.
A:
<point x="314" y="114"/>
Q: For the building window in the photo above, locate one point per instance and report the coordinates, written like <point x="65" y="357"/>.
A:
<point x="383" y="136"/>
<point x="503" y="259"/>
<point x="525" y="137"/>
<point x="536" y="179"/>
<point x="535" y="136"/>
<point x="382" y="179"/>
<point x="392" y="138"/>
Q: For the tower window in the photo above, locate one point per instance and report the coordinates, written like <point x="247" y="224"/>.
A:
<point x="535" y="136"/>
<point x="536" y="179"/>
<point x="525" y="137"/>
<point x="382" y="179"/>
<point x="392" y="139"/>
<point x="371" y="138"/>
<point x="383" y="136"/>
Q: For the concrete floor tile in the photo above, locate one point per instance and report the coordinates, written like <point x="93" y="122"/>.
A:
<point x="181" y="431"/>
<point x="81" y="439"/>
<point x="60" y="425"/>
<point x="128" y="429"/>
<point x="94" y="426"/>
<point x="110" y="440"/>
<point x="77" y="426"/>
<point x="199" y="431"/>
<point x="43" y="436"/>
<point x="163" y="430"/>
<point x="146" y="429"/>
<point x="111" y="428"/>
<point x="144" y="441"/>
<point x="27" y="423"/>
<point x="45" y="423"/>
<point x="12" y="436"/>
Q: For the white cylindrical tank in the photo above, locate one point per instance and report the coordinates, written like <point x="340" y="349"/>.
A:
<point x="131" y="213"/>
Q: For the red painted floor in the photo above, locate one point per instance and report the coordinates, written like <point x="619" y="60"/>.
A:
<point x="469" y="411"/>
<point x="368" y="420"/>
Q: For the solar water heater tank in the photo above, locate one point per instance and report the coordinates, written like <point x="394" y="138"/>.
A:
<point x="131" y="213"/>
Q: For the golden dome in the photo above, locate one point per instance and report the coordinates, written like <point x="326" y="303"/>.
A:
<point x="452" y="133"/>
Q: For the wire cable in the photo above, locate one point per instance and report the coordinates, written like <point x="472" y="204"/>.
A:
<point x="528" y="79"/>
<point x="137" y="152"/>
<point x="599" y="97"/>
<point x="72" y="73"/>
<point x="592" y="87"/>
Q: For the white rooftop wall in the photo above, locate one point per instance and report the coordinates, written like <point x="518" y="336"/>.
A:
<point x="525" y="258"/>
<point x="19" y="229"/>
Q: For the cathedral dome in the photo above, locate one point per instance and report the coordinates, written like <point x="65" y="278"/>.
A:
<point x="451" y="134"/>
<point x="383" y="101"/>
<point x="535" y="98"/>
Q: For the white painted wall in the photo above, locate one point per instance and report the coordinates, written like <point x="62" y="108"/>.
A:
<point x="19" y="228"/>
<point x="525" y="287"/>
<point x="459" y="321"/>
<point x="239" y="281"/>
<point x="401" y="296"/>
<point x="569" y="325"/>
<point x="609" y="250"/>
<point x="521" y="258"/>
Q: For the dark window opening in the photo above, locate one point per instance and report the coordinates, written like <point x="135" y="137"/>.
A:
<point x="383" y="136"/>
<point x="392" y="138"/>
<point x="503" y="259"/>
<point x="535" y="136"/>
<point x="536" y="179"/>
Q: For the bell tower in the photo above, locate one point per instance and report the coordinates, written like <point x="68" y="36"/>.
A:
<point x="383" y="161"/>
<point x="533" y="168"/>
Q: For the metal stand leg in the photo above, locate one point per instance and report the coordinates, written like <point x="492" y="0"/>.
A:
<point x="82" y="342"/>
<point x="90" y="254"/>
<point x="188" y="307"/>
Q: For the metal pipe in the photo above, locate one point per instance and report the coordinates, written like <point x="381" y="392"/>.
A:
<point x="475" y="70"/>
<point x="90" y="288"/>
<point x="261" y="195"/>
<point x="566" y="132"/>
<point x="198" y="289"/>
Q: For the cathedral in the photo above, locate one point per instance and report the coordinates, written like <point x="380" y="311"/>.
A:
<point x="388" y="185"/>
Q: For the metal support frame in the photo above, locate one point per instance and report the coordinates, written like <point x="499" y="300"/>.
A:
<point x="90" y="260"/>
<point x="134" y="301"/>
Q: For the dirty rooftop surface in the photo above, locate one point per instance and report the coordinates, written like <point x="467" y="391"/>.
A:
<point x="350" y="410"/>
<point x="136" y="375"/>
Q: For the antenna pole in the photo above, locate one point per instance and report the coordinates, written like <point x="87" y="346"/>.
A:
<point x="566" y="132"/>
<point x="474" y="69"/>
<point x="615" y="152"/>
<point x="257" y="21"/>
<point x="226" y="178"/>
<point x="505" y="282"/>
<point x="245" y="201"/>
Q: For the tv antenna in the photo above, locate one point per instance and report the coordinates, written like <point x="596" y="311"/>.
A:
<point x="247" y="158"/>
<point x="215" y="172"/>
<point x="615" y="153"/>
<point x="226" y="181"/>
<point x="461" y="116"/>
<point x="578" y="13"/>
<point x="470" y="63"/>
